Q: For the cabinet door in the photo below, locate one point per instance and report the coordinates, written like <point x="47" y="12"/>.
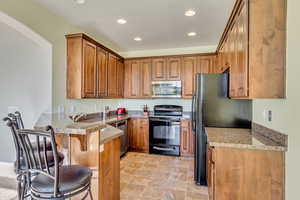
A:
<point x="186" y="138"/>
<point x="205" y="64"/>
<point x="211" y="173"/>
<point x="102" y="72"/>
<point x="90" y="70"/>
<point x="144" y="135"/>
<point x="132" y="79"/>
<point x="239" y="52"/>
<point x="132" y="133"/>
<point x="188" y="76"/>
<point x="139" y="134"/>
<point x="120" y="78"/>
<point x="174" y="68"/>
<point x="159" y="69"/>
<point x="112" y="76"/>
<point x="145" y="74"/>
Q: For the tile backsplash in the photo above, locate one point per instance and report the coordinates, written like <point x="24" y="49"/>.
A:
<point x="97" y="105"/>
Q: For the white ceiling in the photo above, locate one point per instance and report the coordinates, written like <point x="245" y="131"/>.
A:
<point x="160" y="23"/>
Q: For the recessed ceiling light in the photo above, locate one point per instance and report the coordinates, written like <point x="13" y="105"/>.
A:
<point x="80" y="1"/>
<point x="122" y="21"/>
<point x="192" y="34"/>
<point x="138" y="39"/>
<point x="190" y="13"/>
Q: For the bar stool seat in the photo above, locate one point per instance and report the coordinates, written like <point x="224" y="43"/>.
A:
<point x="71" y="178"/>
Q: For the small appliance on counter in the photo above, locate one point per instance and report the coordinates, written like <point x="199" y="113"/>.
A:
<point x="121" y="111"/>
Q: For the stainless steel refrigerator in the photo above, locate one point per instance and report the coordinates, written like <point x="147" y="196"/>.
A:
<point x="211" y="107"/>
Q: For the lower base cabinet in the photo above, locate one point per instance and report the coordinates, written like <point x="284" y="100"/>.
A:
<point x="110" y="171"/>
<point x="245" y="174"/>
<point x="186" y="138"/>
<point x="138" y="132"/>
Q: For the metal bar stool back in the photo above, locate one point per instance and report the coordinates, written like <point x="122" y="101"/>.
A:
<point x="57" y="182"/>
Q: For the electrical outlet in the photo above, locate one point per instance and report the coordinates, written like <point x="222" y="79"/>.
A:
<point x="270" y="117"/>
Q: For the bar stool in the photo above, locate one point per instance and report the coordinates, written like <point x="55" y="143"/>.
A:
<point x="58" y="182"/>
<point x="20" y="164"/>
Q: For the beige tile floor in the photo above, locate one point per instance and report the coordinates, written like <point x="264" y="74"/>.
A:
<point x="154" y="177"/>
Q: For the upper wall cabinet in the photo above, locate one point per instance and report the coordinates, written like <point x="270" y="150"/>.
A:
<point x="253" y="47"/>
<point x="166" y="68"/>
<point x="137" y="78"/>
<point x="93" y="71"/>
<point x="191" y="65"/>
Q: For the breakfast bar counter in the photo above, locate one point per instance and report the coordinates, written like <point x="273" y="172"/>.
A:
<point x="93" y="143"/>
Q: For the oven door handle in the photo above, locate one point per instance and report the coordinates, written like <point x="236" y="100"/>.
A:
<point x="163" y="149"/>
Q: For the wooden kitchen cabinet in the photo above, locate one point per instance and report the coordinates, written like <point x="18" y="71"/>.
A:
<point x="112" y="87"/>
<point x="138" y="129"/>
<point x="102" y="57"/>
<point x="247" y="174"/>
<point x="109" y="171"/>
<point x="188" y="76"/>
<point x="166" y="69"/>
<point x="186" y="138"/>
<point x="159" y="69"/>
<point x="120" y="78"/>
<point x="89" y="70"/>
<point x="174" y="68"/>
<point x="206" y="64"/>
<point x="191" y="65"/>
<point x="93" y="71"/>
<point x="137" y="78"/>
<point x="253" y="46"/>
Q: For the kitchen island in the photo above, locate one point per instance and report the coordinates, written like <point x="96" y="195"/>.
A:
<point x="91" y="143"/>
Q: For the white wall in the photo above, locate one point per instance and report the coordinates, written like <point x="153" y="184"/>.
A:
<point x="25" y="81"/>
<point x="286" y="111"/>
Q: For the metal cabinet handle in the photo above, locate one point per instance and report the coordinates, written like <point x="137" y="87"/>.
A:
<point x="163" y="149"/>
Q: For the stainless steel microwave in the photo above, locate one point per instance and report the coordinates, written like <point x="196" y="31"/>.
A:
<point x="166" y="89"/>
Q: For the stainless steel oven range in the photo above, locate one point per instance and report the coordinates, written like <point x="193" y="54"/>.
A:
<point x="165" y="130"/>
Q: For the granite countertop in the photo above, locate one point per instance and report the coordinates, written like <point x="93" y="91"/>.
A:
<point x="62" y="124"/>
<point x="241" y="138"/>
<point x="109" y="133"/>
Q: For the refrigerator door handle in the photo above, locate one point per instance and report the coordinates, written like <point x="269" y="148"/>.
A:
<point x="193" y="115"/>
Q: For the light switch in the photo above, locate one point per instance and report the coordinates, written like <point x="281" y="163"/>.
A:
<point x="101" y="148"/>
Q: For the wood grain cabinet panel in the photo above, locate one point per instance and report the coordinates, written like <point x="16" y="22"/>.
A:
<point x="102" y="57"/>
<point x="112" y="87"/>
<point x="120" y="78"/>
<point x="90" y="70"/>
<point x="139" y="134"/>
<point x="159" y="69"/>
<point x="253" y="46"/>
<point x="145" y="75"/>
<point x="255" y="174"/>
<point x="109" y="171"/>
<point x="186" y="138"/>
<point x="205" y="64"/>
<point x="138" y="78"/>
<point x="174" y="69"/>
<point x="189" y="65"/>
<point x="93" y="71"/>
